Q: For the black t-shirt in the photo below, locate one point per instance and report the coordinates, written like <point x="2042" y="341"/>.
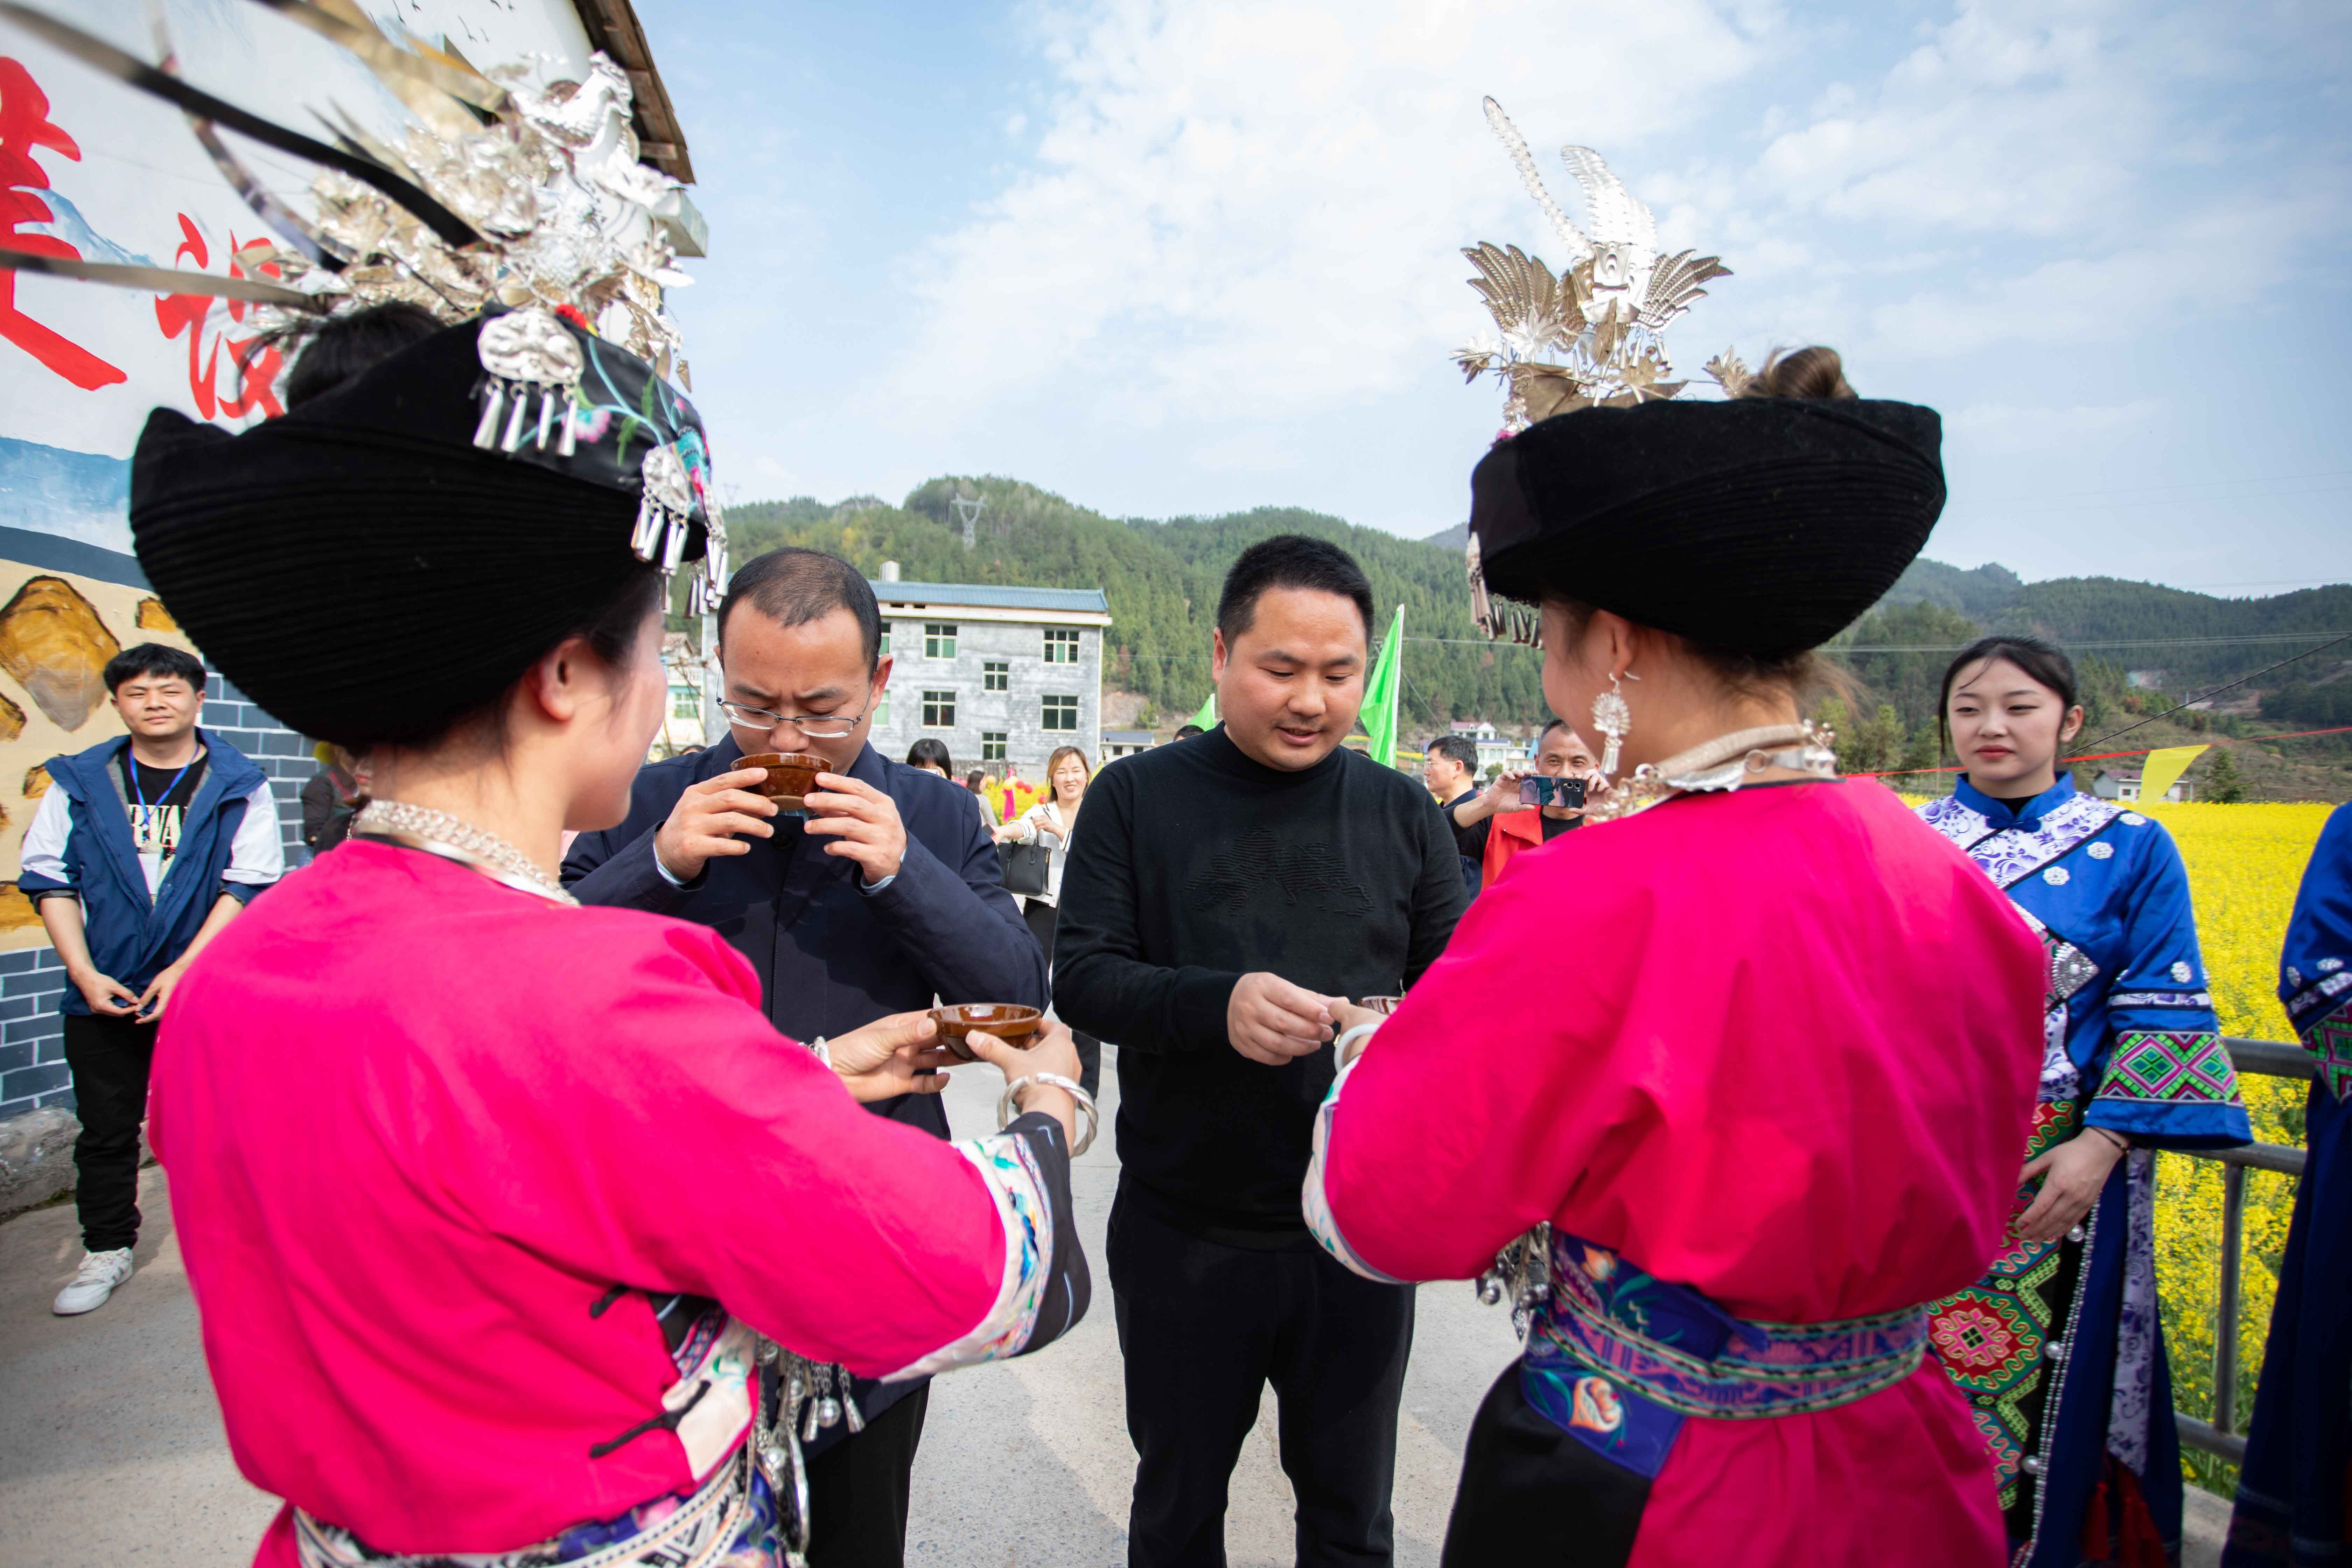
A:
<point x="157" y="802"/>
<point x="1461" y="834"/>
<point x="1200" y="865"/>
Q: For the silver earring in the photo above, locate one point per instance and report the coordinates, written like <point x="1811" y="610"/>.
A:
<point x="1613" y="718"/>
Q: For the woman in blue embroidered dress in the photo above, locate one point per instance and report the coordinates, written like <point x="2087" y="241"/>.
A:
<point x="2295" y="1491"/>
<point x="2059" y="1347"/>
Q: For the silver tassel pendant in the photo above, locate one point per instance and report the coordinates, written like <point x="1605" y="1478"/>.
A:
<point x="567" y="442"/>
<point x="674" y="548"/>
<point x="494" y="397"/>
<point x="546" y="416"/>
<point x="513" y="437"/>
<point x="645" y="541"/>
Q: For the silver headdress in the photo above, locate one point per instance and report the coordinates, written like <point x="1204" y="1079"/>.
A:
<point x="1594" y="333"/>
<point x="506" y="193"/>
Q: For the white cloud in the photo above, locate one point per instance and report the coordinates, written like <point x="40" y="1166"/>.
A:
<point x="1238" y="209"/>
<point x="2060" y="172"/>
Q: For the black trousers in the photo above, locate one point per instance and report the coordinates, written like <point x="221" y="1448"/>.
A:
<point x="1040" y="916"/>
<point x="1202" y="1327"/>
<point x="858" y="1490"/>
<point x="108" y="1058"/>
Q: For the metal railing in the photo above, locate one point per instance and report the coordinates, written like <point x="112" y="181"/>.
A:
<point x="2275" y="1059"/>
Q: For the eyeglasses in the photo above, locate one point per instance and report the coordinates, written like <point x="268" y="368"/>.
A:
<point x="819" y="726"/>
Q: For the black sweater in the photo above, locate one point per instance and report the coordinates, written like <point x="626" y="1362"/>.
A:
<point x="1194" y="864"/>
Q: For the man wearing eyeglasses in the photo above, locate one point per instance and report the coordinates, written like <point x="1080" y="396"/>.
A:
<point x="884" y="894"/>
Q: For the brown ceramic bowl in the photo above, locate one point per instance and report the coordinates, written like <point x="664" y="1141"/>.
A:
<point x="1383" y="1006"/>
<point x="1008" y="1022"/>
<point x="791" y="775"/>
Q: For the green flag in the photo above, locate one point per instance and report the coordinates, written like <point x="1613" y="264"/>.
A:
<point x="1207" y="717"/>
<point x="1379" y="718"/>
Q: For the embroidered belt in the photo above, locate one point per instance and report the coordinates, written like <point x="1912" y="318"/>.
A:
<point x="730" y="1514"/>
<point x="1618" y="1358"/>
<point x="730" y="1518"/>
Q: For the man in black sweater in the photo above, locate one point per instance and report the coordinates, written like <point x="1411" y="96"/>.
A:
<point x="1222" y="895"/>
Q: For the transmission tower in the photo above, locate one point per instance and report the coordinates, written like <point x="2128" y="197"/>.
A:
<point x="968" y="513"/>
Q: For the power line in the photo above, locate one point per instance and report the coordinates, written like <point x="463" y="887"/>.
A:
<point x="2219" y="690"/>
<point x="2255" y="637"/>
<point x="2116" y="642"/>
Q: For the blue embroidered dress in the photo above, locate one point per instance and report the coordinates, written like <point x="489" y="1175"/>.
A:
<point x="2295" y="1495"/>
<point x="2060" y="1348"/>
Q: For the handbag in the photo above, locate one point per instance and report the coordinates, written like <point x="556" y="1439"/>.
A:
<point x="1024" y="866"/>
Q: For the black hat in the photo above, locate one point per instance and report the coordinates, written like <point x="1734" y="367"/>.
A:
<point x="396" y="552"/>
<point x="1759" y="525"/>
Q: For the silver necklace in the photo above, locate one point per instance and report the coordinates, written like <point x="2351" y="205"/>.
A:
<point x="1722" y="764"/>
<point x="454" y="839"/>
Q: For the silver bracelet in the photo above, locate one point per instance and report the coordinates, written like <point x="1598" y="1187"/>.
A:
<point x="1361" y="1032"/>
<point x="1005" y="1107"/>
<point x="819" y="1050"/>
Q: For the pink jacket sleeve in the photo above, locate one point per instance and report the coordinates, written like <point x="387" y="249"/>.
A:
<point x="1477" y="1105"/>
<point x="681" y="1144"/>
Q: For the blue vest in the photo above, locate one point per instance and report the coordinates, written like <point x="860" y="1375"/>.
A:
<point x="133" y="938"/>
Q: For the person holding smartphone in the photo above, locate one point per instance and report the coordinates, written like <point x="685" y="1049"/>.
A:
<point x="1524" y="807"/>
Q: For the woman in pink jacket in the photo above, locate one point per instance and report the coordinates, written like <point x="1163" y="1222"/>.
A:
<point x="517" y="1232"/>
<point x="1737" y="1080"/>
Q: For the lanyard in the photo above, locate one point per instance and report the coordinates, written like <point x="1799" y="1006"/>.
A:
<point x="138" y="796"/>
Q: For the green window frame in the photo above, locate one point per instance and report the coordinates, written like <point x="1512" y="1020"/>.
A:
<point x="1060" y="714"/>
<point x="938" y="639"/>
<point x="1062" y="646"/>
<point x="938" y="710"/>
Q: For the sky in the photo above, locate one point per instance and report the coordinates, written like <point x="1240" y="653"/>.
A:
<point x="1193" y="259"/>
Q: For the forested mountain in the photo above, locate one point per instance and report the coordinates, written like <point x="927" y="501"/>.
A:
<point x="1162" y="578"/>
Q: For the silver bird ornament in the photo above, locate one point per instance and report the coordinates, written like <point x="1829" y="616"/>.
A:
<point x="1595" y="332"/>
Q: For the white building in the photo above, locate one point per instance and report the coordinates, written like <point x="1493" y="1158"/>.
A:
<point x="2123" y="783"/>
<point x="999" y="674"/>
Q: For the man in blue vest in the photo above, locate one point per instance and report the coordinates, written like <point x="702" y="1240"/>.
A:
<point x="144" y="848"/>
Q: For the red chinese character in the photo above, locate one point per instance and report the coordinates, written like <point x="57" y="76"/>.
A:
<point x="257" y="366"/>
<point x="24" y="126"/>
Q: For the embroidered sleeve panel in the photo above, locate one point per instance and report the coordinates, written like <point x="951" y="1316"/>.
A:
<point x="2009" y="856"/>
<point x="1045" y="1288"/>
<point x="1317" y="1203"/>
<point x="2308" y="997"/>
<point x="2327" y="1032"/>
<point x="1960" y="824"/>
<point x="2172" y="1088"/>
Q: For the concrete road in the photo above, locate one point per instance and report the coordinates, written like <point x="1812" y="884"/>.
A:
<point x="110" y="1445"/>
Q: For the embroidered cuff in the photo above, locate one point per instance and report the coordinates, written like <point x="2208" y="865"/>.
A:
<point x="1315" y="1204"/>
<point x="2172" y="1087"/>
<point x="1044" y="1288"/>
<point x="2328" y="1038"/>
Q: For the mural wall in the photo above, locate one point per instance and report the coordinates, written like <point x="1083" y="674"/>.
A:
<point x="92" y="170"/>
<point x="57" y="632"/>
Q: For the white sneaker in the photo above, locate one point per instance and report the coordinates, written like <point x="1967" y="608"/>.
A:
<point x="101" y="1273"/>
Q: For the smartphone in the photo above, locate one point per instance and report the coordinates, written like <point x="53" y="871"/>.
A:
<point x="1542" y="789"/>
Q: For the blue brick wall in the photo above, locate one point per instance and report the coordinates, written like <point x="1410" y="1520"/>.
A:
<point x="32" y="1039"/>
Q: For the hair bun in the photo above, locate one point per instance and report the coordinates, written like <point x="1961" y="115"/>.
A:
<point x="1815" y="372"/>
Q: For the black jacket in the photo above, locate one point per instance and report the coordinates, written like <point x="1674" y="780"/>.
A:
<point x="831" y="955"/>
